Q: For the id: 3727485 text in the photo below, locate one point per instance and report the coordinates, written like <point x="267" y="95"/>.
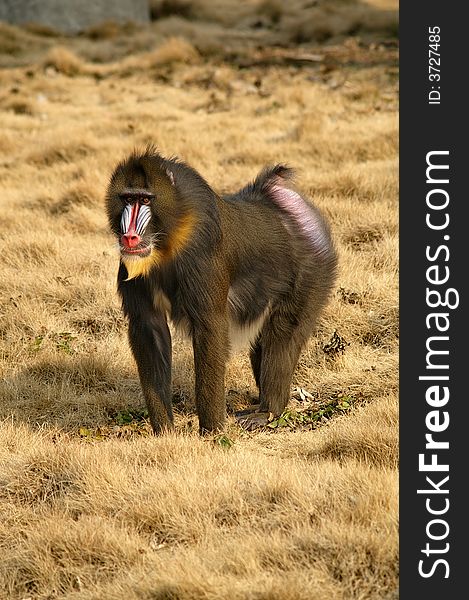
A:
<point x="434" y="57"/>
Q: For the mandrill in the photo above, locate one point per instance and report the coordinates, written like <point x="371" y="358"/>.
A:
<point x="255" y="266"/>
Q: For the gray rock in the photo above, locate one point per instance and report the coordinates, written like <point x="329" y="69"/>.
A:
<point x="72" y="16"/>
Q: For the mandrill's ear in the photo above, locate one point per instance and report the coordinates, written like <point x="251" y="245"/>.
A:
<point x="170" y="175"/>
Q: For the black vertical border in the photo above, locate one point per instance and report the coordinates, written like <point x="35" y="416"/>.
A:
<point x="424" y="128"/>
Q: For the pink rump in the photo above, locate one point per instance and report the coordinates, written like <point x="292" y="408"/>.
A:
<point x="308" y="222"/>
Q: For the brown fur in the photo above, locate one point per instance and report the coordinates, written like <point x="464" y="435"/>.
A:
<point x="222" y="264"/>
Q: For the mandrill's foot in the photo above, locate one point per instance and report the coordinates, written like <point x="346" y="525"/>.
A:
<point x="250" y="418"/>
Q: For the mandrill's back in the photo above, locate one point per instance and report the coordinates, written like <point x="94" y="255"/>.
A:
<point x="280" y="220"/>
<point x="274" y="224"/>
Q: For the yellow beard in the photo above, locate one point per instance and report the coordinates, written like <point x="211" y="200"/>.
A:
<point x="141" y="266"/>
<point x="137" y="266"/>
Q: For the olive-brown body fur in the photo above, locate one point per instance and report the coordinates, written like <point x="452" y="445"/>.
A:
<point x="258" y="264"/>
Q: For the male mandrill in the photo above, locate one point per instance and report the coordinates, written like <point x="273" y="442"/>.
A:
<point x="258" y="264"/>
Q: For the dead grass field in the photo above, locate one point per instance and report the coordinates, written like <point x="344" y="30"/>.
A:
<point x="92" y="505"/>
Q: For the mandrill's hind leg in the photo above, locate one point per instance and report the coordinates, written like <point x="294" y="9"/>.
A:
<point x="255" y="356"/>
<point x="274" y="357"/>
<point x="280" y="356"/>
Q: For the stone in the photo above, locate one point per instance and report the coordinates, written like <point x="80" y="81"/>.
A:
<point x="70" y="16"/>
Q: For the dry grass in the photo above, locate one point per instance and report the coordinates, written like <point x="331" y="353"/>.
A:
<point x="94" y="507"/>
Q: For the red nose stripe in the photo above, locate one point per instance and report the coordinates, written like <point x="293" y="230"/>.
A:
<point x="133" y="218"/>
<point x="131" y="239"/>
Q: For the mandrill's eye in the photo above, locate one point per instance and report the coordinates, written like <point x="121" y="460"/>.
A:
<point x="145" y="201"/>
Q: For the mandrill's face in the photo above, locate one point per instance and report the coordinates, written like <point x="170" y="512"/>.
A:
<point x="145" y="214"/>
<point x="134" y="240"/>
<point x="134" y="225"/>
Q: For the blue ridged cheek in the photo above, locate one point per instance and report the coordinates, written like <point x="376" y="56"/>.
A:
<point x="143" y="218"/>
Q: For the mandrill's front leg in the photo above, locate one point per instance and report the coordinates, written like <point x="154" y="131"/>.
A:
<point x="150" y="341"/>
<point x="210" y="343"/>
